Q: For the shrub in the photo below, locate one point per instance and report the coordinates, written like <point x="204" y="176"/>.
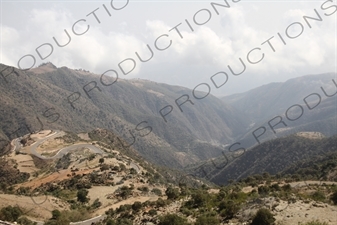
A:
<point x="172" y="219"/>
<point x="125" y="221"/>
<point x="120" y="221"/>
<point x="96" y="204"/>
<point x="160" y="202"/>
<point x="207" y="220"/>
<point x="318" y="196"/>
<point x="143" y="189"/>
<point x="137" y="206"/>
<point x="25" y="221"/>
<point x="152" y="212"/>
<point x="104" y="167"/>
<point x="124" y="208"/>
<point x="228" y="209"/>
<point x="10" y="213"/>
<point x="82" y="195"/>
<point x="263" y="217"/>
<point x="110" y="222"/>
<point x="122" y="166"/>
<point x="91" y="157"/>
<point x="185" y="211"/>
<point x="55" y="214"/>
<point x="125" y="192"/>
<point x="110" y="212"/>
<point x="275" y="187"/>
<point x="66" y="217"/>
<point x="172" y="193"/>
<point x="133" y="171"/>
<point x="156" y="191"/>
<point x="286" y="187"/>
<point x="199" y="199"/>
<point x="334" y="197"/>
<point x="263" y="190"/>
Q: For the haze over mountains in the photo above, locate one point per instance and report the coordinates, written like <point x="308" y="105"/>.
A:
<point x="66" y="99"/>
<point x="307" y="103"/>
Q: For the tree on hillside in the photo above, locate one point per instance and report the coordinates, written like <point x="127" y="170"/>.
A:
<point x="55" y="214"/>
<point x="207" y="220"/>
<point x="137" y="206"/>
<point x="172" y="219"/>
<point x="172" y="193"/>
<point x="82" y="195"/>
<point x="263" y="217"/>
<point x="10" y="213"/>
<point x="125" y="192"/>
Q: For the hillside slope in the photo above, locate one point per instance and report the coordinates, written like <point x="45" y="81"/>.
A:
<point x="48" y="97"/>
<point x="307" y="103"/>
<point x="273" y="157"/>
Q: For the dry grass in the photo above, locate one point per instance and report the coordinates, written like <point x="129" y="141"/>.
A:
<point x="38" y="207"/>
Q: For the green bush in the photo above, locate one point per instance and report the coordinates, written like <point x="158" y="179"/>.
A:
<point x="91" y="157"/>
<point x="120" y="221"/>
<point x="137" y="206"/>
<point x="125" y="192"/>
<point x="228" y="209"/>
<point x="25" y="221"/>
<point x="275" y="187"/>
<point x="207" y="220"/>
<point x="263" y="217"/>
<point x="160" y="202"/>
<point x="334" y="197"/>
<point x="10" y="213"/>
<point x="318" y="196"/>
<point x="143" y="189"/>
<point x="286" y="188"/>
<point x="65" y="217"/>
<point x="82" y="195"/>
<point x="55" y="214"/>
<point x="152" y="212"/>
<point x="172" y="193"/>
<point x="156" y="191"/>
<point x="185" y="211"/>
<point x="96" y="204"/>
<point x="110" y="222"/>
<point x="124" y="208"/>
<point x="263" y="190"/>
<point x="172" y="219"/>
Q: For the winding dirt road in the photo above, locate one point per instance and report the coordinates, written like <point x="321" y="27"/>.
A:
<point x="62" y="151"/>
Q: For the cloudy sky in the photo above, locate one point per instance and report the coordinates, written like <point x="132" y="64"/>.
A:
<point x="116" y="30"/>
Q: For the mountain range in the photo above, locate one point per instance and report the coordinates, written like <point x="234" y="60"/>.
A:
<point x="41" y="97"/>
<point x="164" y="123"/>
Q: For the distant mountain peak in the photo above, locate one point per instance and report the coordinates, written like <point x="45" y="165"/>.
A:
<point x="44" y="67"/>
<point x="48" y="64"/>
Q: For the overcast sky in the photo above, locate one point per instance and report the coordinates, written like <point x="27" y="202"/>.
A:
<point x="191" y="59"/>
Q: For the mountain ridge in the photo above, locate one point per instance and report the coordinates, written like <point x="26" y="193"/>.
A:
<point x="129" y="108"/>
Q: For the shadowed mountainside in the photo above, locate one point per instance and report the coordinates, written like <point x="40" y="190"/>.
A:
<point x="274" y="156"/>
<point x="40" y="99"/>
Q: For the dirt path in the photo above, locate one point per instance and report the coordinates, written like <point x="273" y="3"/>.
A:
<point x="299" y="211"/>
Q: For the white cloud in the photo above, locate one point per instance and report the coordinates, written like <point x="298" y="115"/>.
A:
<point x="95" y="50"/>
<point x="209" y="49"/>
